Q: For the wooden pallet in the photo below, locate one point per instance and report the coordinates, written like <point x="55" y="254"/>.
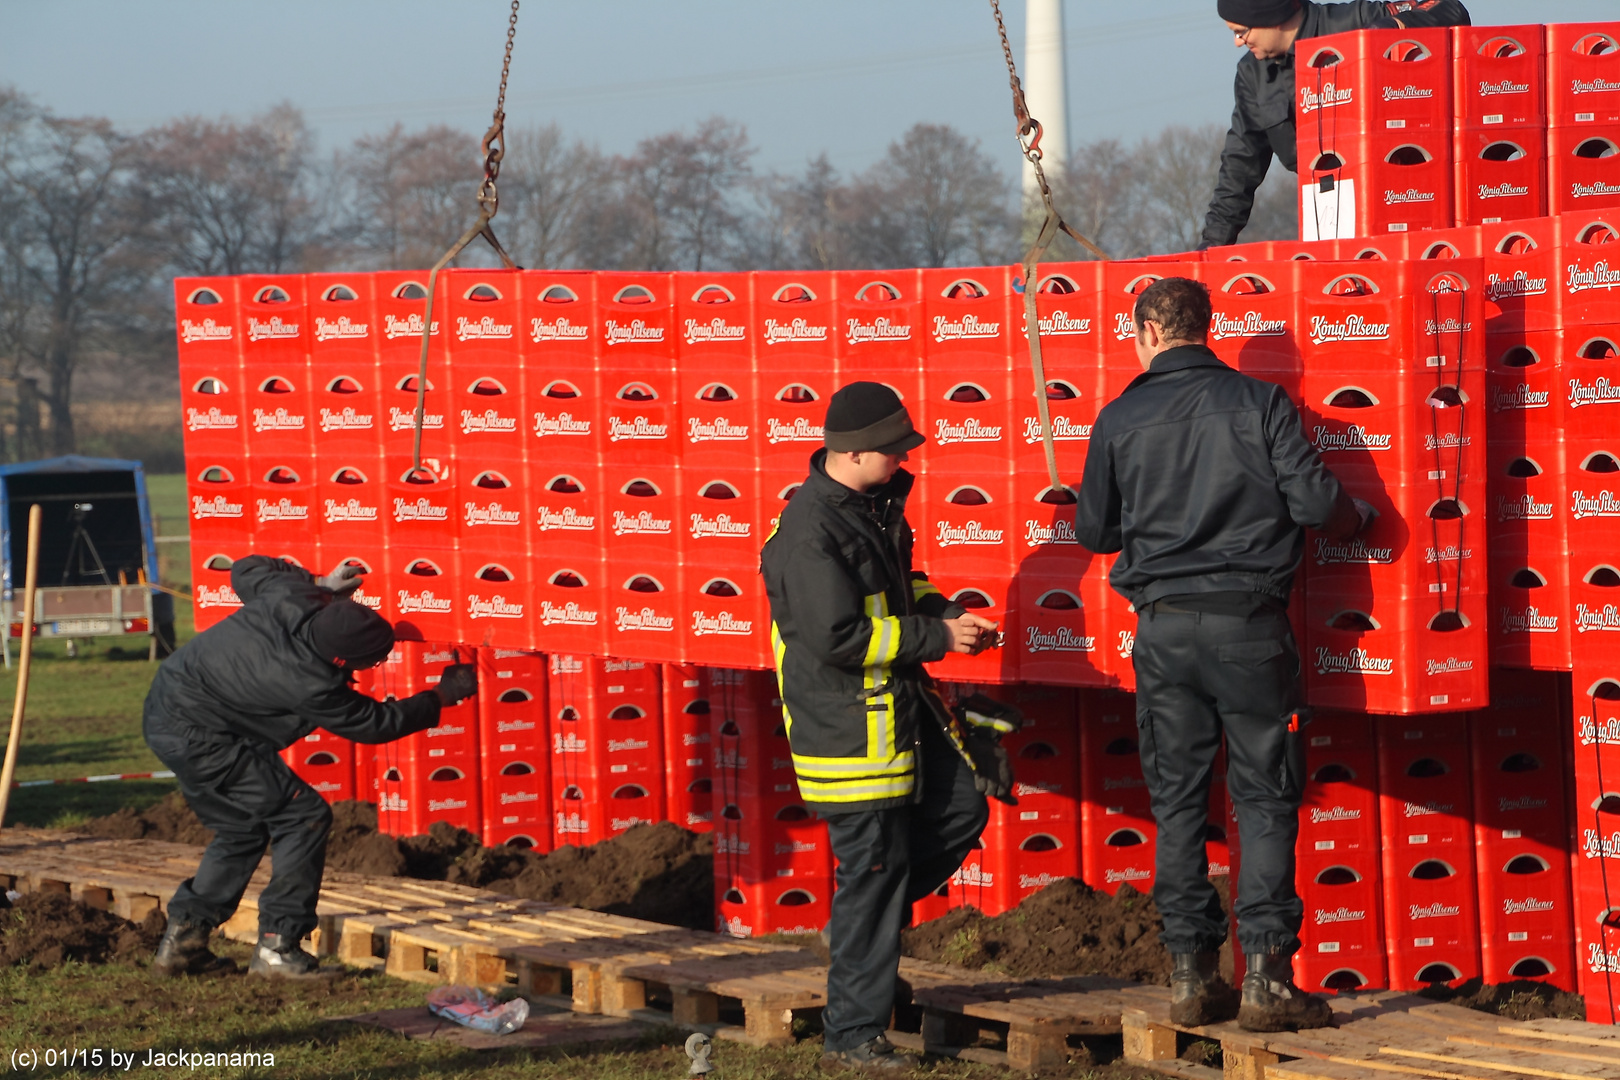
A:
<point x="1035" y="1017"/>
<point x="1387" y="1036"/>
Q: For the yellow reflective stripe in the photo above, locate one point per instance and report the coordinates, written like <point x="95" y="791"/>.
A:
<point x="898" y="787"/>
<point x="779" y="650"/>
<point x="829" y="768"/>
<point x="921" y="588"/>
<point x="884" y="644"/>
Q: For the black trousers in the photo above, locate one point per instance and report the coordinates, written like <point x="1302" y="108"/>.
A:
<point x="1200" y="677"/>
<point x="887" y="860"/>
<point x="250" y="798"/>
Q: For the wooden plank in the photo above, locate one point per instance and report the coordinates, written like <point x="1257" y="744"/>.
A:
<point x="1578" y="1032"/>
<point x="1611" y="1058"/>
<point x="1146" y="1041"/>
<point x="978" y="1054"/>
<point x="1536" y="1066"/>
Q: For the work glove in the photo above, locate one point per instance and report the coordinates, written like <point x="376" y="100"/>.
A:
<point x="459" y="682"/>
<point x="992" y="768"/>
<point x="1367" y="512"/>
<point x="988" y="716"/>
<point x="344" y="579"/>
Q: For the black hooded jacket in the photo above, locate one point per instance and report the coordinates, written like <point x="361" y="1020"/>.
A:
<point x="1201" y="478"/>
<point x="1263" y="116"/>
<point x="851" y="625"/>
<point x="257" y="676"/>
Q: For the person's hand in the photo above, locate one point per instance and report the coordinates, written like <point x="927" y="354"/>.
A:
<point x="459" y="682"/>
<point x="992" y="767"/>
<point x="1367" y="513"/>
<point x="344" y="578"/>
<point x="971" y="634"/>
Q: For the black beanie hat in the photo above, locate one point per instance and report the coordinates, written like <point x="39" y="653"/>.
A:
<point x="351" y="635"/>
<point x="1252" y="13"/>
<point x="869" y="416"/>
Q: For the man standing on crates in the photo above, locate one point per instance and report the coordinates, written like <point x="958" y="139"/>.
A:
<point x="1263" y="119"/>
<point x="1202" y="480"/>
<point x="219" y="713"/>
<point x="900" y="779"/>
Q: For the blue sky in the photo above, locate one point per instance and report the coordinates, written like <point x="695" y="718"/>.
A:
<point x="841" y="76"/>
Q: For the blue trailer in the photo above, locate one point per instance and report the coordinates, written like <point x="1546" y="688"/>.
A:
<point x="98" y="564"/>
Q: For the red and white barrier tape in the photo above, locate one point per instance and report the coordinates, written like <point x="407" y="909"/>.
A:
<point x="161" y="775"/>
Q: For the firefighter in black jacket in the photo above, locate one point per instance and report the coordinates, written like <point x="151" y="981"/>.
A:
<point x="899" y="779"/>
<point x="1202" y="480"/>
<point x="1263" y="118"/>
<point x="219" y="712"/>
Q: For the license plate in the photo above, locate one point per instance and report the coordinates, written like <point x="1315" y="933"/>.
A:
<point x="82" y="626"/>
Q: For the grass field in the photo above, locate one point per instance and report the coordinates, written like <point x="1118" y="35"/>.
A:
<point x="84" y="712"/>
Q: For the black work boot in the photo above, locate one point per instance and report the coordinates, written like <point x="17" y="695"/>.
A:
<point x="1198" y="994"/>
<point x="184" y="951"/>
<point x="278" y="954"/>
<point x="874" y="1055"/>
<point x="1271" y="1001"/>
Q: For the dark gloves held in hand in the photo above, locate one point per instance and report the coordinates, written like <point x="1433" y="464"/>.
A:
<point x="459" y="682"/>
<point x="986" y="715"/>
<point x="992" y="768"/>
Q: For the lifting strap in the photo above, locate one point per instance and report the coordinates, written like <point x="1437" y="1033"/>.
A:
<point x="494" y="147"/>
<point x="1029" y="141"/>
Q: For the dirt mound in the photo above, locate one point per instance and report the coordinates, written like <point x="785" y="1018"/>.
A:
<point x="658" y="872"/>
<point x="45" y="930"/>
<point x="171" y="819"/>
<point x="1521" y="1000"/>
<point x="1068" y="928"/>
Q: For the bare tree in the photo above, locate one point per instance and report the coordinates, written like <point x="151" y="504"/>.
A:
<point x="679" y="199"/>
<point x="1100" y="194"/>
<point x="935" y="199"/>
<point x="229" y="198"/>
<point x="1180" y="165"/>
<point x="71" y="250"/>
<point x="549" y="187"/>
<point x="410" y="194"/>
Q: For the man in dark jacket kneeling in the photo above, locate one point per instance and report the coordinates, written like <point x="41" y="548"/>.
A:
<point x="220" y="711"/>
<point x="1201" y="478"/>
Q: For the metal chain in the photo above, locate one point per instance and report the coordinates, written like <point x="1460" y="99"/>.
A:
<point x="495" y="137"/>
<point x="488" y="203"/>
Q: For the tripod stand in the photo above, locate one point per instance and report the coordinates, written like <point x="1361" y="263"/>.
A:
<point x="82" y="549"/>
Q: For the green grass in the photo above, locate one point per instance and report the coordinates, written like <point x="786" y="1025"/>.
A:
<point x="120" y="1006"/>
<point x="166" y="493"/>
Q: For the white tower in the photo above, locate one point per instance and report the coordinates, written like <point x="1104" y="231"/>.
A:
<point x="1045" y="87"/>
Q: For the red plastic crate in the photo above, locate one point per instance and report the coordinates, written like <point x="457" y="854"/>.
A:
<point x="1583" y="74"/>
<point x="643" y="421"/>
<point x="1065" y="633"/>
<point x="1373" y="81"/>
<point x="799" y="906"/>
<point x="1501" y="174"/>
<point x="491" y="498"/>
<point x="969" y="417"/>
<point x="965" y="521"/>
<point x="1499" y="76"/>
<point x="562" y="408"/>
<point x="1581" y="168"/>
<point x="212" y="398"/>
<point x="881" y="330"/>
<point x="570" y="604"/>
<point x="421" y="503"/>
<point x="212" y="597"/>
<point x="346" y="394"/>
<point x="1588" y="268"/>
<point x="770" y="839"/>
<point x="1026" y="856"/>
<point x="1371" y="184"/>
<point x="432" y="775"/>
<point x="423" y="593"/>
<point x="1253" y="326"/>
<point x="326" y="763"/>
<point x="351" y="497"/>
<point x="715" y="356"/>
<point x="284" y="498"/>
<point x="989" y="597"/>
<point x="644" y="610"/>
<point x="636" y="313"/>
<point x="220" y="511"/>
<point x="752" y="759"/>
<point x="1521" y="271"/>
<point x="1342" y="941"/>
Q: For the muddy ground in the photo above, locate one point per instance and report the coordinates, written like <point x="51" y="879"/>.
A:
<point x="658" y="872"/>
<point x="46" y="930"/>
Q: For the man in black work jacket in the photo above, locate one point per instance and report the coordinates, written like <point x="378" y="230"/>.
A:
<point x="899" y="779"/>
<point x="1202" y="480"/>
<point x="1263" y="119"/>
<point x="219" y="712"/>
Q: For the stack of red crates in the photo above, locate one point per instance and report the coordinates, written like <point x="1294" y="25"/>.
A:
<point x="688" y="766"/>
<point x="1393" y="619"/>
<point x="1431" y="916"/>
<point x="607" y="746"/>
<point x="1374" y="128"/>
<point x="1500" y="123"/>
<point x="1521" y="831"/>
<point x="1117" y="830"/>
<point x="1583" y="116"/>
<point x="514" y="749"/>
<point x="433" y="775"/>
<point x="772" y="861"/>
<point x="1029" y="846"/>
<point x="1339" y="868"/>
